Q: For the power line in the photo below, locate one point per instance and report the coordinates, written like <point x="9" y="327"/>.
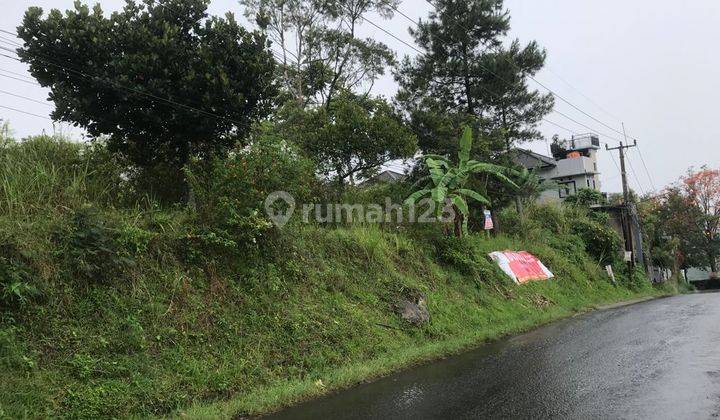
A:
<point x="25" y="97"/>
<point x="17" y="74"/>
<point x="543" y="119"/>
<point x="10" y="50"/>
<point x="559" y="126"/>
<point x="394" y="36"/>
<point x="24" y="112"/>
<point x="637" y="180"/>
<point x="132" y="90"/>
<point x="582" y="94"/>
<point x="18" y="79"/>
<point x="118" y="86"/>
<point x="584" y="125"/>
<point x="647" y="172"/>
<point x="555" y="94"/>
<point x="614" y="161"/>
<point x="10" y="41"/>
<point x="8" y="32"/>
<point x="495" y="74"/>
<point x="539" y="83"/>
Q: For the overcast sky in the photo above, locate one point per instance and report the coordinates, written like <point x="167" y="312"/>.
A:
<point x="649" y="63"/>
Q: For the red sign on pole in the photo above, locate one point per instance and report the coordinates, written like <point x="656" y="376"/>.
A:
<point x="488" y="220"/>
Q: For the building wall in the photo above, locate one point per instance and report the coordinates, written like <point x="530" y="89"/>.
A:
<point x="571" y="174"/>
<point x="568" y="185"/>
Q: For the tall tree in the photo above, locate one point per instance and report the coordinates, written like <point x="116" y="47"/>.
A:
<point x="322" y="54"/>
<point x="702" y="189"/>
<point x="352" y="138"/>
<point x="163" y="79"/>
<point x="670" y="227"/>
<point x="466" y="70"/>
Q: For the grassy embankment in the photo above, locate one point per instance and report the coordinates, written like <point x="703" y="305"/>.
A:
<point x="127" y="312"/>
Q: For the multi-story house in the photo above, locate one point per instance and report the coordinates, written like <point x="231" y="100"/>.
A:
<point x="572" y="168"/>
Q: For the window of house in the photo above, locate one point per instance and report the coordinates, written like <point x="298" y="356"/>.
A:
<point x="567" y="189"/>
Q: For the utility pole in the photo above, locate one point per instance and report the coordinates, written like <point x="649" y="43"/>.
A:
<point x="627" y="229"/>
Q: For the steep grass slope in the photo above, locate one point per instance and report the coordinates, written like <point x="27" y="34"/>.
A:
<point x="163" y="334"/>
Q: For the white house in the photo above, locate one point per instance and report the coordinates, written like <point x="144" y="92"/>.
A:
<point x="572" y="169"/>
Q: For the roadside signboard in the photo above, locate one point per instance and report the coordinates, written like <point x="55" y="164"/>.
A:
<point x="488" y="220"/>
<point x="522" y="266"/>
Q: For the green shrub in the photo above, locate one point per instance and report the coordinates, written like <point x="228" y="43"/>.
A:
<point x="549" y="217"/>
<point x="16" y="277"/>
<point x="20" y="245"/>
<point x="466" y="256"/>
<point x="229" y="194"/>
<point x="568" y="228"/>
<point x="602" y="242"/>
<point x="376" y="193"/>
<point x="586" y="197"/>
<point x="92" y="248"/>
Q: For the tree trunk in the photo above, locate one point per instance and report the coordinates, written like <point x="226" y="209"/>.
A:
<point x="519" y="206"/>
<point x="459" y="219"/>
<point x="713" y="262"/>
<point x="496" y="224"/>
<point x="341" y="182"/>
<point x="467" y="83"/>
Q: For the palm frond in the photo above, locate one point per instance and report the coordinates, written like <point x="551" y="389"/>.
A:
<point x="417" y="194"/>
<point x="465" y="145"/>
<point x="474" y="195"/>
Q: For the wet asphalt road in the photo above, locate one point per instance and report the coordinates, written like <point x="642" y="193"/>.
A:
<point x="658" y="359"/>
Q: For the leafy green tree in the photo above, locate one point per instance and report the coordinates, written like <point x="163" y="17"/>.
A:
<point x="530" y="186"/>
<point x="352" y="138"/>
<point x="230" y="192"/>
<point x="466" y="70"/>
<point x="322" y="54"/>
<point x="702" y="190"/>
<point x="163" y="79"/>
<point x="670" y="225"/>
<point x="448" y="183"/>
<point x="586" y="197"/>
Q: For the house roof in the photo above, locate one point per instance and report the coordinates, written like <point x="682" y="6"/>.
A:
<point x="387" y="175"/>
<point x="541" y="160"/>
<point x="393" y="174"/>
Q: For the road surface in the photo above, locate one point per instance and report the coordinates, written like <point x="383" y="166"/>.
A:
<point x="658" y="359"/>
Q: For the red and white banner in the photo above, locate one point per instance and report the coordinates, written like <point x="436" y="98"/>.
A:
<point x="521" y="266"/>
<point x="488" y="220"/>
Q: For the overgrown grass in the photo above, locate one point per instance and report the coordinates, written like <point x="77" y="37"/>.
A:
<point x="162" y="336"/>
<point x="110" y="310"/>
<point x="47" y="173"/>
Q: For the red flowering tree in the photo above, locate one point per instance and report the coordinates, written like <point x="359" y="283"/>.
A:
<point x="702" y="190"/>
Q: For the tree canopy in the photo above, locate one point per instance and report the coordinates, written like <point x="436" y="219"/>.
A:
<point x="467" y="72"/>
<point x="163" y="80"/>
<point x="321" y="53"/>
<point x="352" y="138"/>
<point x="681" y="224"/>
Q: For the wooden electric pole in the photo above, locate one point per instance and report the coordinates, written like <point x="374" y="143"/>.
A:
<point x="627" y="229"/>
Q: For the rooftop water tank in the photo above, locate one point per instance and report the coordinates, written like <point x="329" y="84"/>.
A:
<point x="584" y="142"/>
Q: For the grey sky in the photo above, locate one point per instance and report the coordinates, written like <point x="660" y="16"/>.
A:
<point x="649" y="63"/>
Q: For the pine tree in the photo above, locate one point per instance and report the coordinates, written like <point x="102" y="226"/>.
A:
<point x="467" y="75"/>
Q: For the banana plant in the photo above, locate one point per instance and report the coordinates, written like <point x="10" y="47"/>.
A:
<point x="446" y="184"/>
<point x="530" y="186"/>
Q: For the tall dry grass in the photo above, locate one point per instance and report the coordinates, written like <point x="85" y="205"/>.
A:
<point x="49" y="173"/>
